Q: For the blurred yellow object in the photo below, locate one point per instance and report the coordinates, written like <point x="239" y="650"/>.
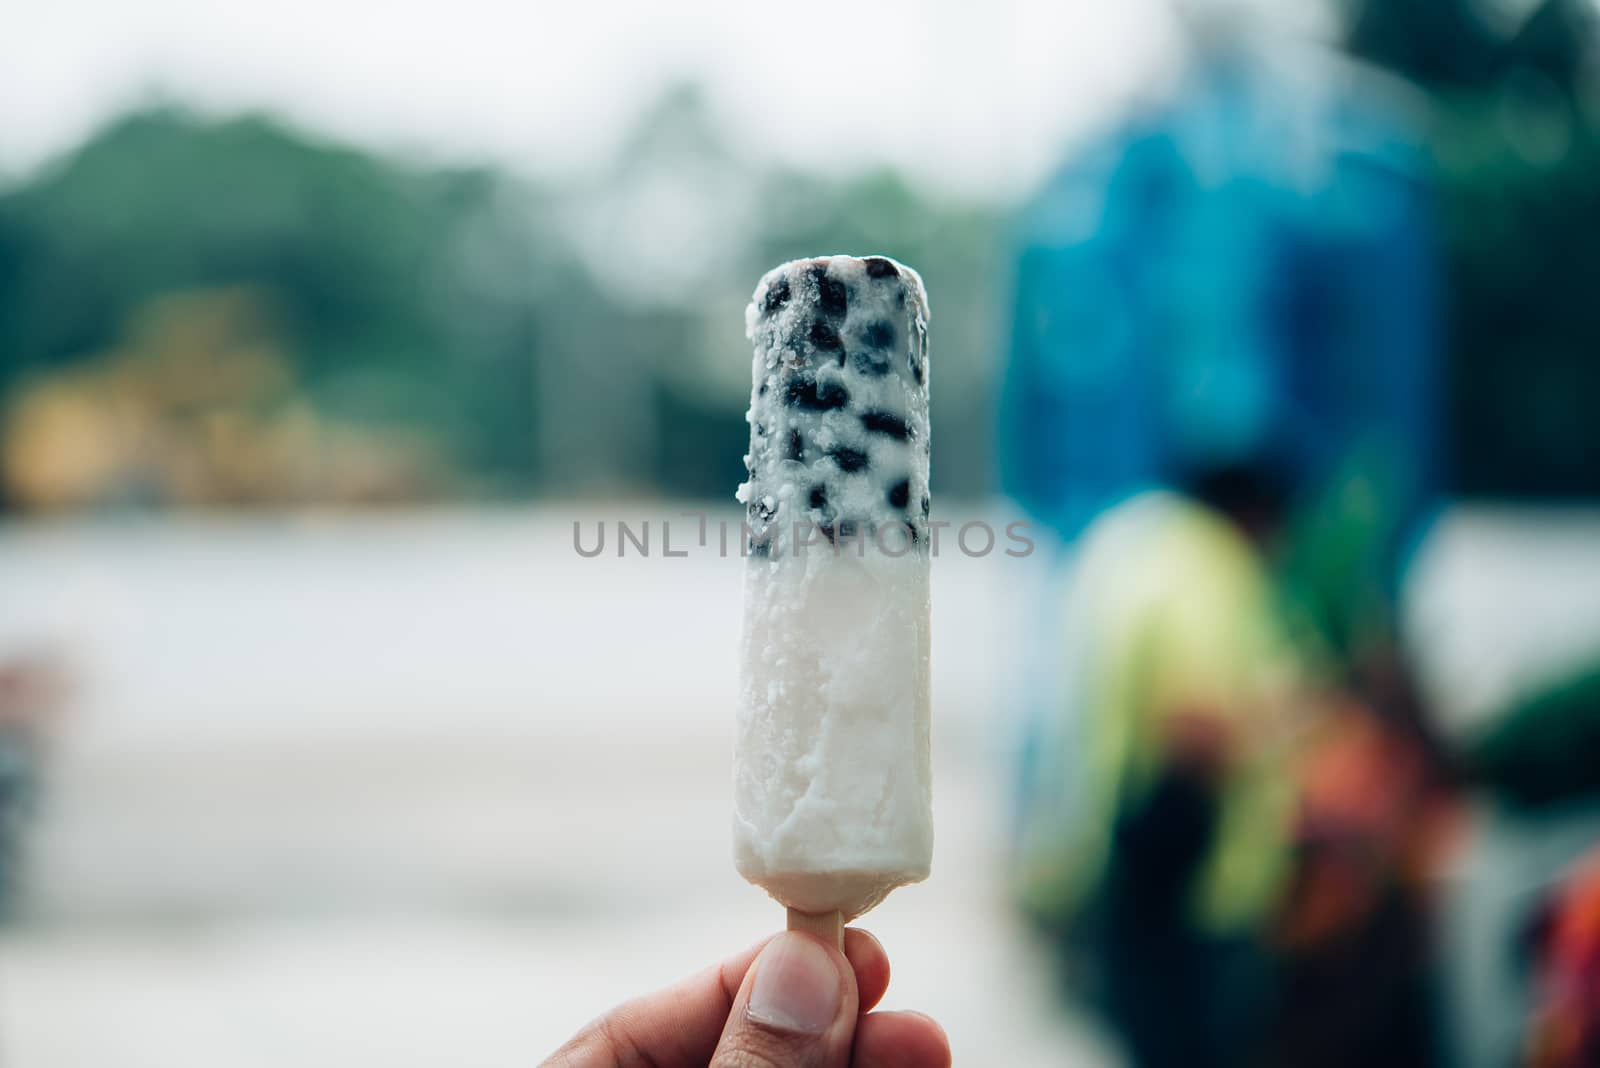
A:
<point x="1176" y="641"/>
<point x="62" y="445"/>
<point x="197" y="408"/>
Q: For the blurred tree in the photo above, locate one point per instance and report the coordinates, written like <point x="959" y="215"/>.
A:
<point x="361" y="258"/>
<point x="1516" y="137"/>
<point x="581" y="339"/>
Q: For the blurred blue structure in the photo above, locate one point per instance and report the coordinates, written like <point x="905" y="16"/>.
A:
<point x="1245" y="276"/>
<point x="1247" y="271"/>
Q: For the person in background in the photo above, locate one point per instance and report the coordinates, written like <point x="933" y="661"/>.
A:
<point x="1377" y="817"/>
<point x="1564" y="1031"/>
<point x="1221" y="395"/>
<point x="1163" y="879"/>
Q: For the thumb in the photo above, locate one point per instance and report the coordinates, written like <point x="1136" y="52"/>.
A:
<point x="795" y="1009"/>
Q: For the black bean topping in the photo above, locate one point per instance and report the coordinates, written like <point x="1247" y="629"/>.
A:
<point x="762" y="510"/>
<point x="885" y="423"/>
<point x="777" y="296"/>
<point x="906" y="527"/>
<point x="847" y="458"/>
<point x="824" y="336"/>
<point x="816" y="396"/>
<point x="819" y="496"/>
<point x="845" y="528"/>
<point x="762" y="392"/>
<point x="870" y="363"/>
<point x="878" y="267"/>
<point x="900" y="493"/>
<point x="880" y="334"/>
<point x="761" y="430"/>
<point x="833" y="297"/>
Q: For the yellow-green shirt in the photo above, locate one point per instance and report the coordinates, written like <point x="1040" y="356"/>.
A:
<point x="1170" y="610"/>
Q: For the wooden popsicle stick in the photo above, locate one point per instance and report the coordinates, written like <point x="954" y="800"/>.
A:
<point x="828" y="926"/>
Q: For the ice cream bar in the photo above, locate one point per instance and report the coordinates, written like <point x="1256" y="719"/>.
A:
<point x="832" y="800"/>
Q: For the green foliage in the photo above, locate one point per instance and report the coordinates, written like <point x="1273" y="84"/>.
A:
<point x="1518" y="149"/>
<point x="488" y="314"/>
<point x="1521" y="228"/>
<point x="1541" y="750"/>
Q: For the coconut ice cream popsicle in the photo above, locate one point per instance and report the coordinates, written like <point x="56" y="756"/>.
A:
<point x="832" y="798"/>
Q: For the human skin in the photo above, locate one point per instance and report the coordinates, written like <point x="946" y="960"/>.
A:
<point x="811" y="1009"/>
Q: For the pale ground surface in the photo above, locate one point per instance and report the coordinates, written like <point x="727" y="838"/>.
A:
<point x="432" y="790"/>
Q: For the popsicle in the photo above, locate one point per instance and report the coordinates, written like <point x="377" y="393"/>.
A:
<point x="832" y="793"/>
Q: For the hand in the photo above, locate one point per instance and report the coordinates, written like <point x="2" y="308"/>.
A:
<point x="791" y="1002"/>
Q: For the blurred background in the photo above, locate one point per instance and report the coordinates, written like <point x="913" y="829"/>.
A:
<point x="322" y="324"/>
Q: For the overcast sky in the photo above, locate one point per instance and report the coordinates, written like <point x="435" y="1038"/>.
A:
<point x="974" y="95"/>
